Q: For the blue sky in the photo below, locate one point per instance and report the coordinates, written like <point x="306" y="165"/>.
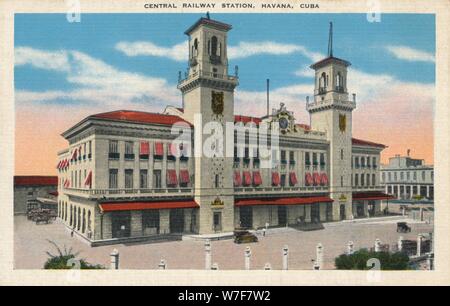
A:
<point x="355" y="39"/>
<point x="67" y="71"/>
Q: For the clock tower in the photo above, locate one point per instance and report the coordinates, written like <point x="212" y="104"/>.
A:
<point x="208" y="97"/>
<point x="331" y="112"/>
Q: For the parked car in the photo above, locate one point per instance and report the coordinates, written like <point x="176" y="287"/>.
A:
<point x="402" y="227"/>
<point x="244" y="236"/>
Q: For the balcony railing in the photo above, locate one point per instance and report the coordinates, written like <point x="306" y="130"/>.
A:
<point x="285" y="189"/>
<point x="129" y="192"/>
<point x="365" y="188"/>
<point x="209" y="74"/>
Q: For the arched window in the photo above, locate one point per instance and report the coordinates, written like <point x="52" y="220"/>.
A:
<point x="322" y="80"/>
<point x="214" y="45"/>
<point x="216" y="183"/>
<point x="79" y="219"/>
<point x="362" y="179"/>
<point x="338" y="80"/>
<point x="71" y="215"/>
<point x="195" y="50"/>
<point x="374" y="179"/>
<point x="356" y="179"/>
<point x="89" y="223"/>
<point x="368" y="179"/>
<point x="83" y="227"/>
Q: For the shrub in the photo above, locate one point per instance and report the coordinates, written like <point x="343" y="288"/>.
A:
<point x="359" y="259"/>
<point x="62" y="260"/>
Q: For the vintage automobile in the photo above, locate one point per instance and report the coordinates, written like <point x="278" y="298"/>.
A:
<point x="244" y="236"/>
<point x="402" y="227"/>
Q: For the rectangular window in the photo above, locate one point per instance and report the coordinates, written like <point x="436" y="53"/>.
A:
<point x="292" y="158"/>
<point x="129" y="150"/>
<point x="113" y="178"/>
<point x="415" y="175"/>
<point x="374" y="162"/>
<point x="423" y="175"/>
<point x="129" y="178"/>
<point x="389" y="176"/>
<point x="157" y="178"/>
<point x="90" y="149"/>
<point x="307" y="159"/>
<point x="114" y="149"/>
<point x="408" y="175"/>
<point x="357" y="162"/>
<point x="322" y="159"/>
<point x="246" y="156"/>
<point x="217" y="221"/>
<point x="315" y="161"/>
<point x="283" y="157"/>
<point x="283" y="180"/>
<point x="84" y="150"/>
<point x="143" y="178"/>
<point x="144" y="150"/>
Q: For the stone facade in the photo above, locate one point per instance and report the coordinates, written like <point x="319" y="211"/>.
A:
<point x="120" y="179"/>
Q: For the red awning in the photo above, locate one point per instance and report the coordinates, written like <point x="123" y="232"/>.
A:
<point x="184" y="176"/>
<point x="316" y="178"/>
<point x="275" y="179"/>
<point x="282" y="201"/>
<point x="88" y="181"/>
<point x="247" y="178"/>
<point x="145" y="148"/>
<point x="360" y="196"/>
<point x="293" y="179"/>
<point x="172" y="180"/>
<point x="126" y="206"/>
<point x="308" y="179"/>
<point x="257" y="180"/>
<point x="67" y="183"/>
<point x="58" y="166"/>
<point x="173" y="149"/>
<point x="324" y="179"/>
<point x="159" y="149"/>
<point x="74" y="154"/>
<point x="66" y="163"/>
<point x="237" y="180"/>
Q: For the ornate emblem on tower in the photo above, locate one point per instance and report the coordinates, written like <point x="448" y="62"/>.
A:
<point x="342" y="122"/>
<point x="217" y="102"/>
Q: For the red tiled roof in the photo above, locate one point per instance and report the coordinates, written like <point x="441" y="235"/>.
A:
<point x="328" y="60"/>
<point x="126" y="206"/>
<point x="371" y="196"/>
<point x="360" y="142"/>
<point x="140" y="117"/>
<point x="35" y="180"/>
<point x="282" y="201"/>
<point x="246" y="119"/>
<point x="208" y="21"/>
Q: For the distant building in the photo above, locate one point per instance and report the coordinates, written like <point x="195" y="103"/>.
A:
<point x="29" y="188"/>
<point x="406" y="177"/>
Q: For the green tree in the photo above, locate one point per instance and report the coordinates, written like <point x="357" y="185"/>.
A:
<point x="63" y="259"/>
<point x="359" y="259"/>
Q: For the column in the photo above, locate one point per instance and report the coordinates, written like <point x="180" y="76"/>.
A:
<point x="366" y="208"/>
<point x="308" y="213"/>
<point x="164" y="221"/>
<point x="187" y="220"/>
<point x="428" y="191"/>
<point x="136" y="223"/>
<point x="107" y="226"/>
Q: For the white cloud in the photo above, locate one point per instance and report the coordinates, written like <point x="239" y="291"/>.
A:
<point x="247" y="49"/>
<point x="96" y="82"/>
<point x="179" y="52"/>
<point x="56" y="60"/>
<point x="410" y="54"/>
<point x="305" y="72"/>
<point x="145" y="48"/>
